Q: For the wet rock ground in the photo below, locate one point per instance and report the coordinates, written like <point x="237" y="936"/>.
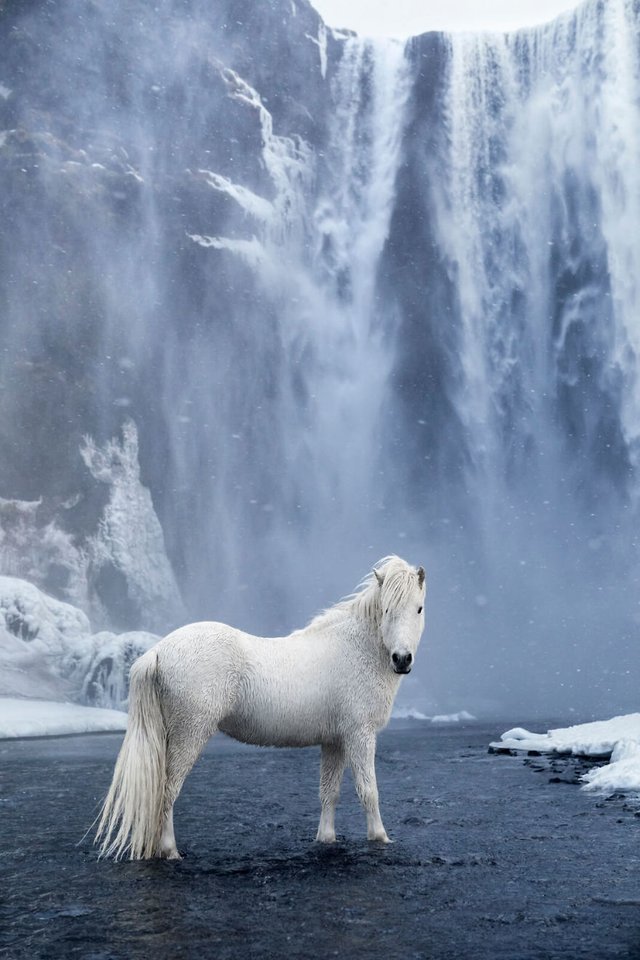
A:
<point x="491" y="859"/>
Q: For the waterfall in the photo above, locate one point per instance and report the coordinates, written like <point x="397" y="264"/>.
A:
<point x="536" y="218"/>
<point x="294" y="448"/>
<point x="353" y="297"/>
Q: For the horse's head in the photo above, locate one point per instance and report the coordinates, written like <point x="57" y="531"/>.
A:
<point x="401" y="599"/>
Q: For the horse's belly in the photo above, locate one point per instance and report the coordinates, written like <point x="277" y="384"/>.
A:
<point x="265" y="729"/>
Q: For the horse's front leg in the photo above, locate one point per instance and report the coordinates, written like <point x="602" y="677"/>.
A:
<point x="332" y="765"/>
<point x="362" y="756"/>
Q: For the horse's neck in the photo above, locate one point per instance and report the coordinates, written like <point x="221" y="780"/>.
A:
<point x="356" y="633"/>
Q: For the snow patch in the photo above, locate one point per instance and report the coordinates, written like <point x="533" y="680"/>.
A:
<point x="459" y="717"/>
<point x="341" y="34"/>
<point x="251" y="251"/>
<point x="5" y="92"/>
<point x="251" y="202"/>
<point x="288" y="160"/>
<point x="43" y="718"/>
<point x="321" y="43"/>
<point x="618" y="739"/>
<point x="410" y="713"/>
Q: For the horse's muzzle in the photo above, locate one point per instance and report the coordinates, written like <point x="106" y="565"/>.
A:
<point x="401" y="662"/>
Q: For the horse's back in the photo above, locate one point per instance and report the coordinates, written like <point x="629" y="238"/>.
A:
<point x="201" y="663"/>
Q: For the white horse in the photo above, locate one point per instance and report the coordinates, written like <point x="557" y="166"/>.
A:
<point x="332" y="683"/>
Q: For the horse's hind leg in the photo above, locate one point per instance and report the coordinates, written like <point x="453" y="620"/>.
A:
<point x="185" y="739"/>
<point x="332" y="765"/>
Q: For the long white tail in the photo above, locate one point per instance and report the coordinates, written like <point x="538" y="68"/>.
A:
<point x="131" y="816"/>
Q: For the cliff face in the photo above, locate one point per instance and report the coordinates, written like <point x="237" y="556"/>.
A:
<point x="130" y="136"/>
<point x="343" y="298"/>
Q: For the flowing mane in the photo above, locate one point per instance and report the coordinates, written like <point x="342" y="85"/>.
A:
<point x="368" y="601"/>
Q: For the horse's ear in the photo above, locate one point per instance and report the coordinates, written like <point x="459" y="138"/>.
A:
<point x="421" y="576"/>
<point x="379" y="577"/>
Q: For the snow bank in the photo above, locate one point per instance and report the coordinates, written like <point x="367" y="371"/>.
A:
<point x="39" y="718"/>
<point x="48" y="649"/>
<point x="617" y="739"/>
<point x="410" y="713"/>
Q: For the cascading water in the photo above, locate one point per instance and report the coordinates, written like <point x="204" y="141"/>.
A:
<point x="536" y="220"/>
<point x="387" y="301"/>
<point x="315" y="258"/>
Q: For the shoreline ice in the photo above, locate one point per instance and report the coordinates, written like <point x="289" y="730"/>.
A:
<point x="616" y="740"/>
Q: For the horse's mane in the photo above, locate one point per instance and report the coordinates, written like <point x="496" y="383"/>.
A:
<point x="368" y="600"/>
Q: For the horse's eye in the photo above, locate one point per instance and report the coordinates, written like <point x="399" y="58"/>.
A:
<point x="387" y="610"/>
<point x="419" y="609"/>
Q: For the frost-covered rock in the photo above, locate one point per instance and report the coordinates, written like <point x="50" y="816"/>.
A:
<point x="47" y="649"/>
<point x="106" y="681"/>
<point x="128" y="550"/>
<point x="101" y="550"/>
<point x="34" y="547"/>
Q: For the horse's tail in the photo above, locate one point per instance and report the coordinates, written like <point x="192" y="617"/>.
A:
<point x="131" y="816"/>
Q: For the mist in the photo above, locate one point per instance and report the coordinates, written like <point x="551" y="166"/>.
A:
<point x="278" y="301"/>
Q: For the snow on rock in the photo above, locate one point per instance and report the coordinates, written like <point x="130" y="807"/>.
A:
<point x="252" y="203"/>
<point x="595" y="739"/>
<point x="410" y="713"/>
<point x="618" y="739"/>
<point x="106" y="682"/>
<point x="41" y="641"/>
<point x="287" y="160"/>
<point x="321" y="43"/>
<point x="622" y="773"/>
<point x="43" y="718"/>
<point x="47" y="649"/>
<point x="459" y="717"/>
<point x="130" y="540"/>
<point x="35" y="548"/>
<point x="119" y="573"/>
<point x="251" y="251"/>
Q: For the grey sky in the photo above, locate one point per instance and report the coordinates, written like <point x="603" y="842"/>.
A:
<point x="402" y="18"/>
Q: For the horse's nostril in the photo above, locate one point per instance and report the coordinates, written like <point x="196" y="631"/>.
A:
<point x="409" y="658"/>
<point x="395" y="657"/>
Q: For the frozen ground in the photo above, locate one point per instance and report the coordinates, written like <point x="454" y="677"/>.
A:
<point x="489" y="862"/>
<point x="44" y="718"/>
<point x="617" y="740"/>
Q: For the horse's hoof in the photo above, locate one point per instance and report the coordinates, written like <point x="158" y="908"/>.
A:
<point x="379" y="838"/>
<point x="326" y="838"/>
<point x="170" y="855"/>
